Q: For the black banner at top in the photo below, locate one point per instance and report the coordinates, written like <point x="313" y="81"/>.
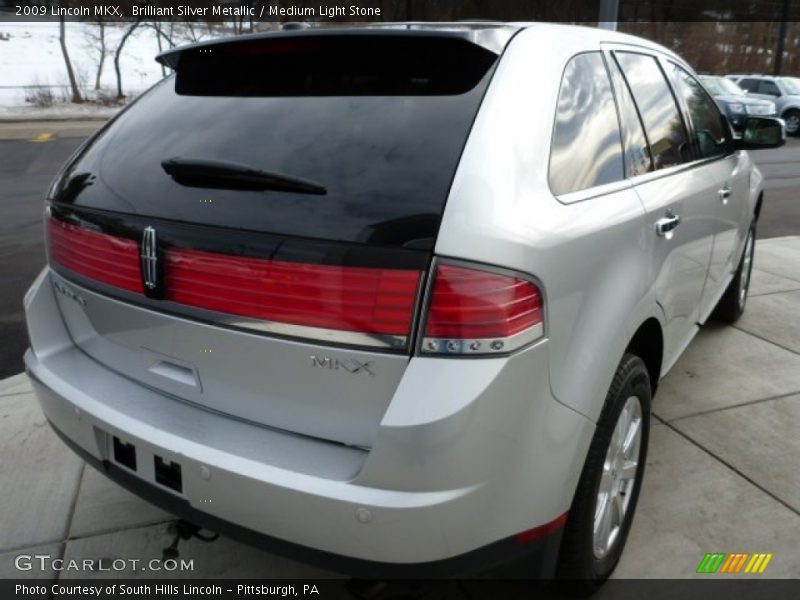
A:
<point x="321" y="11"/>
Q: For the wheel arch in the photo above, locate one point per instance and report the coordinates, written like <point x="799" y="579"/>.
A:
<point x="757" y="210"/>
<point x="648" y="344"/>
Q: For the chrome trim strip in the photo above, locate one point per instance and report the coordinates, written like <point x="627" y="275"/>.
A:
<point x="333" y="336"/>
<point x="298" y="333"/>
<point x="594" y="191"/>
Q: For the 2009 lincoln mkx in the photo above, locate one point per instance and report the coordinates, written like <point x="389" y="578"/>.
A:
<point x="396" y="298"/>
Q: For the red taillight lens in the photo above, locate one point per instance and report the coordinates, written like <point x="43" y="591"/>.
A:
<point x="472" y="311"/>
<point x="104" y="258"/>
<point x="358" y="299"/>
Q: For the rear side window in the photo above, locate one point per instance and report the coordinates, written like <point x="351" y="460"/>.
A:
<point x="768" y="87"/>
<point x="669" y="143"/>
<point x="709" y="134"/>
<point x="586" y="149"/>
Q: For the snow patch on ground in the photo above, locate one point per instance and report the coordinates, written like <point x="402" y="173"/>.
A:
<point x="57" y="112"/>
<point x="30" y="54"/>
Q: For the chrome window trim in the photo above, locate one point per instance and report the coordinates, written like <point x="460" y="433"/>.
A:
<point x="674" y="170"/>
<point x="610" y="188"/>
<point x="630" y="182"/>
<point x="594" y="192"/>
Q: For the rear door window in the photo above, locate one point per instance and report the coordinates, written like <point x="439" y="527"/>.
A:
<point x="586" y="150"/>
<point x="769" y="88"/>
<point x="669" y="142"/>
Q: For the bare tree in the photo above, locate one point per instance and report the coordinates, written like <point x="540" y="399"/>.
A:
<point x="62" y="38"/>
<point x="118" y="53"/>
<point x="96" y="36"/>
<point x="190" y="33"/>
<point x="161" y="37"/>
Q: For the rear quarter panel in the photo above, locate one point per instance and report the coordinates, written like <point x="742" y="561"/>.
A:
<point x="592" y="256"/>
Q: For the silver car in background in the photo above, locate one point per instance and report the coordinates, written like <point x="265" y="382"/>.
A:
<point x="783" y="91"/>
<point x="394" y="299"/>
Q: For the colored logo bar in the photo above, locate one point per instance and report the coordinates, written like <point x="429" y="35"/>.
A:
<point x="734" y="563"/>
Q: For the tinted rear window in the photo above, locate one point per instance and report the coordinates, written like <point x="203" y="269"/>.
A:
<point x="379" y="122"/>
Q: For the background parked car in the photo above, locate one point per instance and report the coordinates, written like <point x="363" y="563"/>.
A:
<point x="734" y="102"/>
<point x="784" y="91"/>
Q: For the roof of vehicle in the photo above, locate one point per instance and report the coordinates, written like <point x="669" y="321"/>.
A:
<point x="492" y="35"/>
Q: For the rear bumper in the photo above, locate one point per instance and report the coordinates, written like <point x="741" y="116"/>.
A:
<point x="441" y="492"/>
<point x="534" y="560"/>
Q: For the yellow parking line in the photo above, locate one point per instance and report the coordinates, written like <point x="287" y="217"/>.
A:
<point x="45" y="136"/>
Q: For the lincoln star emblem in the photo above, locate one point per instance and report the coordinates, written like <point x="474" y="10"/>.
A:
<point x="149" y="258"/>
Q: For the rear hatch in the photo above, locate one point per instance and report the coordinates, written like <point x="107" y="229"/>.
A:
<point x="253" y="234"/>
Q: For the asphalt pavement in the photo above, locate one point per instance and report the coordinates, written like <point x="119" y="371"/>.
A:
<point x="31" y="154"/>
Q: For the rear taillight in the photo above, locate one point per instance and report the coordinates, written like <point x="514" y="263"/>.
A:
<point x="104" y="258"/>
<point x="370" y="301"/>
<point x="470" y="309"/>
<point x="474" y="311"/>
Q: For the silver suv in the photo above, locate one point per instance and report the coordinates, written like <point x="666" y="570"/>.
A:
<point x="783" y="91"/>
<point x="394" y="299"/>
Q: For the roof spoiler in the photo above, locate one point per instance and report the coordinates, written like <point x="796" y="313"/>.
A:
<point x="491" y="36"/>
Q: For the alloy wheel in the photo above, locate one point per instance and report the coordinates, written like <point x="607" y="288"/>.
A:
<point x="618" y="478"/>
<point x="792" y="123"/>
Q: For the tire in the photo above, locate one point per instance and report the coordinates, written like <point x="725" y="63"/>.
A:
<point x="585" y="559"/>
<point x="792" y="118"/>
<point x="733" y="302"/>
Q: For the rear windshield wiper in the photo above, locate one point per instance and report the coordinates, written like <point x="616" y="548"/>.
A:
<point x="199" y="172"/>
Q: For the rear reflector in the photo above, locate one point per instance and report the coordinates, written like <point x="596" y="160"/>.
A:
<point x="104" y="258"/>
<point x="537" y="533"/>
<point x="472" y="311"/>
<point x="354" y="299"/>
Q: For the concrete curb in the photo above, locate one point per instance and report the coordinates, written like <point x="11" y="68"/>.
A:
<point x="53" y="118"/>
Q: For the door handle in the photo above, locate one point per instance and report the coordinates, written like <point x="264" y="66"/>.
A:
<point x="724" y="194"/>
<point x="666" y="225"/>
